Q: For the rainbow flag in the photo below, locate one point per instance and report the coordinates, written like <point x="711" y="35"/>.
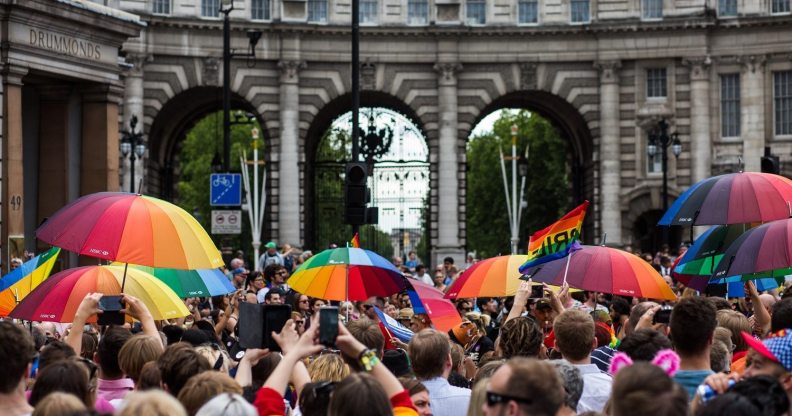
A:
<point x="555" y="241"/>
<point x="355" y="243"/>
<point x="20" y="282"/>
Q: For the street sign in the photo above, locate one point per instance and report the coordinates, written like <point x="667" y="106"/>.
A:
<point x="225" y="189"/>
<point x="226" y="221"/>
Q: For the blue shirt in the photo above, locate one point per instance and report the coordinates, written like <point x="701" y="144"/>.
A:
<point x="445" y="399"/>
<point x="691" y="379"/>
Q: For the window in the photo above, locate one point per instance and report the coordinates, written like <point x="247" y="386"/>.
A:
<point x="781" y="6"/>
<point x="527" y="11"/>
<point x="782" y="98"/>
<point x="727" y="8"/>
<point x="730" y="105"/>
<point x="417" y="12"/>
<point x="652" y="9"/>
<point x="210" y="8"/>
<point x="654" y="164"/>
<point x="580" y="12"/>
<point x="260" y="9"/>
<point x="160" y="6"/>
<point x="476" y="12"/>
<point x="368" y="11"/>
<point x="656" y="83"/>
<point x="317" y="11"/>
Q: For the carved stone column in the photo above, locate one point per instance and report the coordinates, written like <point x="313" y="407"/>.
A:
<point x="752" y="111"/>
<point x="700" y="137"/>
<point x="610" y="153"/>
<point x="448" y="243"/>
<point x="288" y="207"/>
<point x="13" y="196"/>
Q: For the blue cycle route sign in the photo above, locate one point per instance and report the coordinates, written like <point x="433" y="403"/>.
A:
<point x="225" y="189"/>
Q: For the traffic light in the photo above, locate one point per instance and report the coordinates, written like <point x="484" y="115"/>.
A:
<point x="771" y="163"/>
<point x="356" y="193"/>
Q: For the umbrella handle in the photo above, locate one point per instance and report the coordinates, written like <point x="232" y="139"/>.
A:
<point x="123" y="279"/>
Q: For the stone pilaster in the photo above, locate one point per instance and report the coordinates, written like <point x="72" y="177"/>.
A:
<point x="609" y="154"/>
<point x="288" y="155"/>
<point x="752" y="111"/>
<point x="13" y="196"/>
<point x="100" y="138"/>
<point x="448" y="243"/>
<point x="700" y="137"/>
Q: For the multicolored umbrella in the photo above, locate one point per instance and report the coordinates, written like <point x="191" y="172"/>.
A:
<point x="706" y="252"/>
<point x="347" y="273"/>
<point x="131" y="228"/>
<point x="191" y="283"/>
<point x="427" y="300"/>
<point x="493" y="277"/>
<point x="766" y="248"/>
<point x="20" y="282"/>
<point x="606" y="270"/>
<point x="734" y="198"/>
<point x="57" y="298"/>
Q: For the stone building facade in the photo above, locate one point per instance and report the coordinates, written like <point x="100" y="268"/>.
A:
<point x="603" y="71"/>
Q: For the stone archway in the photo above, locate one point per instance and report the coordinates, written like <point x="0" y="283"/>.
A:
<point x="320" y="124"/>
<point x="640" y="221"/>
<point x="573" y="127"/>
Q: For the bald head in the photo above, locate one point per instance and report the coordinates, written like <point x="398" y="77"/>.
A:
<point x="236" y="263"/>
<point x="768" y="301"/>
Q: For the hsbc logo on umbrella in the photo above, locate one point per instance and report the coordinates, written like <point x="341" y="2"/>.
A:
<point x="98" y="251"/>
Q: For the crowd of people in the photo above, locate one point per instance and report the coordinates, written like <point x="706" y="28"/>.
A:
<point x="563" y="352"/>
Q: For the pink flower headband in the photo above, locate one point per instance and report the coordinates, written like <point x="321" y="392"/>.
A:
<point x="666" y="359"/>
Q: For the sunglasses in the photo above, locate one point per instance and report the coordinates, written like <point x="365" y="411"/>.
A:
<point x="367" y="306"/>
<point x="323" y="389"/>
<point x="494" y="399"/>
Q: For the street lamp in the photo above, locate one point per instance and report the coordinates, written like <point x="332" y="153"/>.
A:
<point x="132" y="145"/>
<point x="660" y="139"/>
<point x="513" y="205"/>
<point x="256" y="197"/>
<point x="226" y="6"/>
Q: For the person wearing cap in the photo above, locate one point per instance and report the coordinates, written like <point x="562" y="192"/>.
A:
<point x="270" y="256"/>
<point x="238" y="273"/>
<point x="405" y="316"/>
<point x="771" y="357"/>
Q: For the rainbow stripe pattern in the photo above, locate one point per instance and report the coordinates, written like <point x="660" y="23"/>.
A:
<point x="555" y="241"/>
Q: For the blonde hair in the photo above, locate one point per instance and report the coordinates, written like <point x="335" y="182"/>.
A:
<point x="328" y="367"/>
<point x="136" y="352"/>
<point x="58" y="403"/>
<point x="212" y="354"/>
<point x="151" y="403"/>
<point x="478" y="396"/>
<point x="205" y="386"/>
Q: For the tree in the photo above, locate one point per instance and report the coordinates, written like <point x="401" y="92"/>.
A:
<point x="547" y="188"/>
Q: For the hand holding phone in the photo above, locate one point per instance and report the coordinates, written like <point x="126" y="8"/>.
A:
<point x="662" y="316"/>
<point x="328" y="325"/>
<point x="111" y="307"/>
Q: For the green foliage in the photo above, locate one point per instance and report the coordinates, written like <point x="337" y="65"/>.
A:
<point x="195" y="165"/>
<point x="546" y="192"/>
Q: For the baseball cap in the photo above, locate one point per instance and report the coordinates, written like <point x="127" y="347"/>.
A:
<point x="270" y="245"/>
<point x="543" y="304"/>
<point x="777" y="347"/>
<point x="239" y="270"/>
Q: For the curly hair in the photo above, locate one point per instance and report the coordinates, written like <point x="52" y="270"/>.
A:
<point x="520" y="337"/>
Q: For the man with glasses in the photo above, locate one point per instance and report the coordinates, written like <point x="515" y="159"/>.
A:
<point x="524" y="386"/>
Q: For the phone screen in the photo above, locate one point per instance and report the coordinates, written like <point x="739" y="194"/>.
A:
<point x="111" y="311"/>
<point x="537" y="292"/>
<point x="328" y="325"/>
<point x="275" y="316"/>
<point x="663" y="316"/>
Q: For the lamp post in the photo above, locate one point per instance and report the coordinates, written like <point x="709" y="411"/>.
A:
<point x="515" y="206"/>
<point x="132" y="145"/>
<point x="659" y="138"/>
<point x="226" y="7"/>
<point x="256" y="197"/>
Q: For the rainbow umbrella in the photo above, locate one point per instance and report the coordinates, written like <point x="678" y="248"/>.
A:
<point x="57" y="298"/>
<point x="18" y="283"/>
<point x="734" y="198"/>
<point x="707" y="251"/>
<point x="191" y="283"/>
<point x="347" y="273"/>
<point x="427" y="300"/>
<point x="606" y="270"/>
<point x="493" y="277"/>
<point x="131" y="228"/>
<point x="763" y="250"/>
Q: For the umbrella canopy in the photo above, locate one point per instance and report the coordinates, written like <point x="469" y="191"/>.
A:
<point x="493" y="277"/>
<point x="191" y="283"/>
<point x="706" y="252"/>
<point x="20" y="282"/>
<point x="131" y="228"/>
<point x="347" y="273"/>
<point x="766" y="248"/>
<point x="607" y="270"/>
<point x="430" y="301"/>
<point x="734" y="198"/>
<point x="57" y="298"/>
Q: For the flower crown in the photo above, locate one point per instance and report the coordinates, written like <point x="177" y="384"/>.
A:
<point x="666" y="359"/>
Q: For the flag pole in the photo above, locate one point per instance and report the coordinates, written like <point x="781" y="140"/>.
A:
<point x="566" y="269"/>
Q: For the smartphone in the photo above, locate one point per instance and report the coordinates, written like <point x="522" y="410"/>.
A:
<point x="275" y="317"/>
<point x="111" y="311"/>
<point x="328" y="325"/>
<point x="663" y="316"/>
<point x="537" y="292"/>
